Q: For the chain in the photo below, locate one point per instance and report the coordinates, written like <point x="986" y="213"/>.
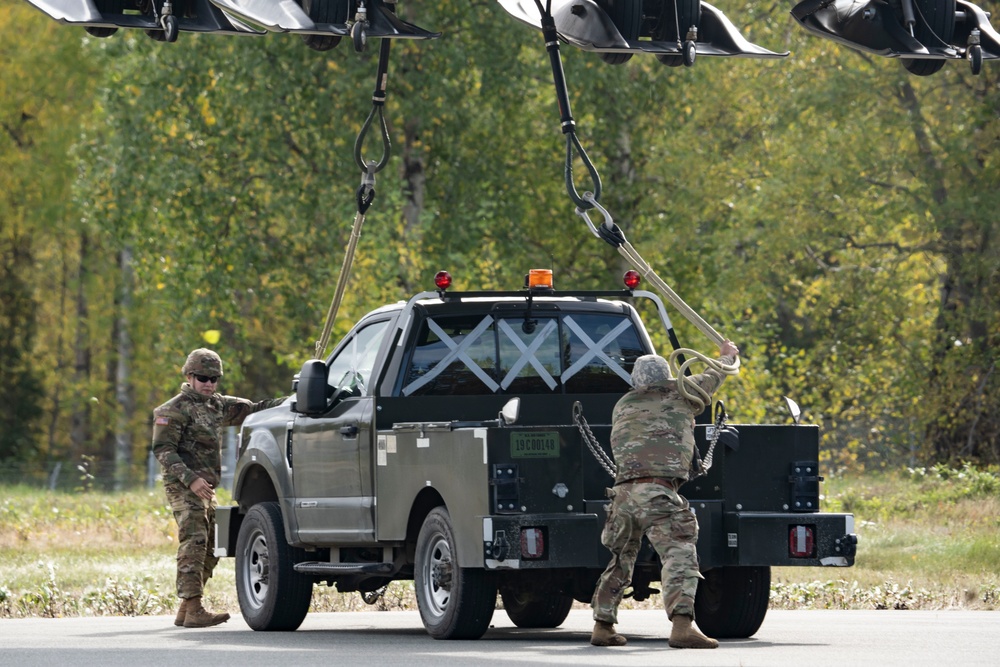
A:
<point x="592" y="444"/>
<point x="701" y="466"/>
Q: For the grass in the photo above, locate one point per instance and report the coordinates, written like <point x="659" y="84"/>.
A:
<point x="929" y="539"/>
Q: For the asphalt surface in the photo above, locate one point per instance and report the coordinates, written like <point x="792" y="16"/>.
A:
<point x="787" y="639"/>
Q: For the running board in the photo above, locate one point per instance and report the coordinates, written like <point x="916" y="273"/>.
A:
<point x="327" y="569"/>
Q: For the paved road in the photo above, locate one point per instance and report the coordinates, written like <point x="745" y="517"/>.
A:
<point x="787" y="639"/>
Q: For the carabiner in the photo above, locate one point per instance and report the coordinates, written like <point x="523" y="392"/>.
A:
<point x="366" y="191"/>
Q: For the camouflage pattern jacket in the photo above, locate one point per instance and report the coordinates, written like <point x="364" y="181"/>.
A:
<point x="187" y="432"/>
<point x="652" y="429"/>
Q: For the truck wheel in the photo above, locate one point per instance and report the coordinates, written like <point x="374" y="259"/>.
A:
<point x="732" y="601"/>
<point x="541" y="610"/>
<point x="273" y="596"/>
<point x="454" y="602"/>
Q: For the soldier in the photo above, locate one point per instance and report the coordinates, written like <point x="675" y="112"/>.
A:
<point x="652" y="439"/>
<point x="187" y="433"/>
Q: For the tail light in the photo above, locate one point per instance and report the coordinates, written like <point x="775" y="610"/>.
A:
<point x="532" y="543"/>
<point x="801" y="542"/>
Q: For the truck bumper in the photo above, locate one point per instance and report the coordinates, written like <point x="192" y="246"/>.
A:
<point x="227" y="528"/>
<point x="543" y="541"/>
<point x="774" y="538"/>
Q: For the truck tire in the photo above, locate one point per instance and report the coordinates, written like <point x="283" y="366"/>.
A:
<point x="454" y="602"/>
<point x="541" y="610"/>
<point x="732" y="601"/>
<point x="272" y="595"/>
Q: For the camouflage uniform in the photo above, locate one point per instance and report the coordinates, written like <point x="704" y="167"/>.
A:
<point x="652" y="437"/>
<point x="187" y="432"/>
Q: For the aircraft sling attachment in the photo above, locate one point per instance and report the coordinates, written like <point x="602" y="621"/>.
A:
<point x="612" y="234"/>
<point x="366" y="191"/>
<point x="566" y="114"/>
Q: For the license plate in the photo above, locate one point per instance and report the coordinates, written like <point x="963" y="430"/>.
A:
<point x="534" y="445"/>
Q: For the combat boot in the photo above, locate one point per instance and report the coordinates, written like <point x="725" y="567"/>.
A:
<point x="198" y="617"/>
<point x="604" y="635"/>
<point x="685" y="635"/>
<point x="181" y="612"/>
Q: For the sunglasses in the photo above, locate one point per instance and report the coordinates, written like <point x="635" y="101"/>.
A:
<point x="206" y="378"/>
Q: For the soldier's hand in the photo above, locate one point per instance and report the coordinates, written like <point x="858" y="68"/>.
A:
<point x="202" y="489"/>
<point x="729" y="349"/>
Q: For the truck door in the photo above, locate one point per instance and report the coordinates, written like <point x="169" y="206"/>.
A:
<point x="331" y="454"/>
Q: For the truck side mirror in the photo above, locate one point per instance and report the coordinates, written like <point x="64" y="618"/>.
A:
<point x="311" y="392"/>
<point x="510" y="411"/>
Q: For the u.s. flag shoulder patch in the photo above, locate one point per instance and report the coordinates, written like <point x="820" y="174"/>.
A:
<point x="162" y="421"/>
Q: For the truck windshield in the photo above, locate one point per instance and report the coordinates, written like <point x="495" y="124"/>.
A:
<point x="570" y="353"/>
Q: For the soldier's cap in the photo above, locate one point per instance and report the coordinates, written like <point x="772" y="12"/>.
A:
<point x="651" y="370"/>
<point x="203" y="362"/>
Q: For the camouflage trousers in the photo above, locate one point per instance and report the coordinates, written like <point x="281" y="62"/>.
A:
<point x="665" y="518"/>
<point x="195" y="539"/>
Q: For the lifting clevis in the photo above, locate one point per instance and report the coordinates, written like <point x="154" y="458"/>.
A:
<point x="675" y="31"/>
<point x="923" y="34"/>
<point x="322" y="23"/>
<point x="161" y="19"/>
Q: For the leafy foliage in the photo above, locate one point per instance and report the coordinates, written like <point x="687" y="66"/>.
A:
<point x="830" y="212"/>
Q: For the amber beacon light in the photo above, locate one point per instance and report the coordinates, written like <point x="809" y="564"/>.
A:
<point x="540" y="279"/>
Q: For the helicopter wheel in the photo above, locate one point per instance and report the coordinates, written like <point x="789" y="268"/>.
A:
<point x="170" y="28"/>
<point x="96" y="31"/>
<point x="976" y="59"/>
<point x="935" y="19"/>
<point x="324" y="11"/>
<point x="670" y="59"/>
<point x="627" y="17"/>
<point x="690" y="53"/>
<point x="359" y="37"/>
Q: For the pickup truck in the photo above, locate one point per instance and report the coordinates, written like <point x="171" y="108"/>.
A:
<point x="441" y="443"/>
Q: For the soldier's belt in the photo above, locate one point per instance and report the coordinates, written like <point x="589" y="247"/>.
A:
<point x="673" y="483"/>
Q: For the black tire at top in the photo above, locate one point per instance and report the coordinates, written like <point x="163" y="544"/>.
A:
<point x="359" y="36"/>
<point x="105" y="7"/>
<point x="976" y="58"/>
<point x="543" y="610"/>
<point x="454" y="602"/>
<point x="688" y="16"/>
<point x="934" y="18"/>
<point x="627" y="17"/>
<point x="732" y="601"/>
<point x="324" y="11"/>
<point x="100" y="31"/>
<point x="272" y="595"/>
<point x="170" y="28"/>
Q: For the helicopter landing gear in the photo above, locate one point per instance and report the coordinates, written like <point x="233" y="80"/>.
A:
<point x="324" y="11"/>
<point x="975" y="53"/>
<point x="359" y="29"/>
<point x="168" y="23"/>
<point x="938" y="23"/>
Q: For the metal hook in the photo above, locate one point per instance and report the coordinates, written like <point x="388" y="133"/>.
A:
<point x="589" y="198"/>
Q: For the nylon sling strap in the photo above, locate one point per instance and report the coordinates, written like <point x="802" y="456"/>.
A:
<point x="366" y="191"/>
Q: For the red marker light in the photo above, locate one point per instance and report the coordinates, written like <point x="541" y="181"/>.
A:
<point x="631" y="279"/>
<point x="442" y="279"/>
<point x="801" y="541"/>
